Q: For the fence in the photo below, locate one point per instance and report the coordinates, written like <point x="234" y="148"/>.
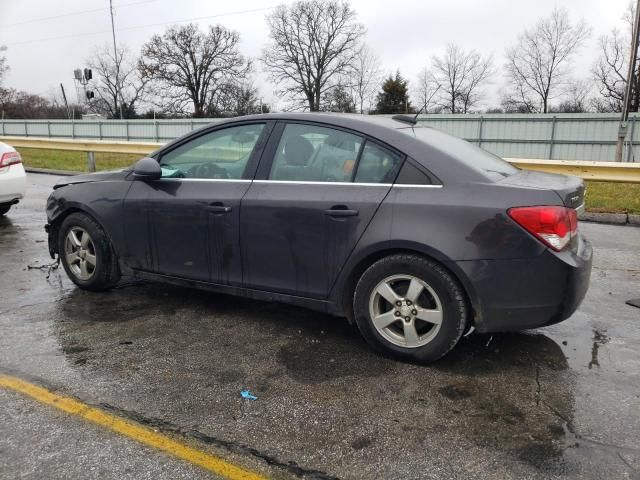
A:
<point x="548" y="136"/>
<point x="544" y="136"/>
<point x="160" y="131"/>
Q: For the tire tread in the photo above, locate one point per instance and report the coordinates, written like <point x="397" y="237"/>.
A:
<point x="458" y="297"/>
<point x="108" y="274"/>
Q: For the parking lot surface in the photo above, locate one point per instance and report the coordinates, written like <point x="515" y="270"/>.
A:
<point x="559" y="402"/>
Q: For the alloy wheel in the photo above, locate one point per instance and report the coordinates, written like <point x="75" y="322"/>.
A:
<point x="80" y="253"/>
<point x="406" y="311"/>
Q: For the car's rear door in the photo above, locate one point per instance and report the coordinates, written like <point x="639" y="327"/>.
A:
<point x="187" y="223"/>
<point x="316" y="190"/>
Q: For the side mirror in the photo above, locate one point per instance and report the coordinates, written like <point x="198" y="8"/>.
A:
<point x="147" y="169"/>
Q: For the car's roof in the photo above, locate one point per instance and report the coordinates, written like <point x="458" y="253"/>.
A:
<point x="356" y="121"/>
<point x="434" y="149"/>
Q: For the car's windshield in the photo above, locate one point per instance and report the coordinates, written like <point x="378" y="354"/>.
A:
<point x="475" y="157"/>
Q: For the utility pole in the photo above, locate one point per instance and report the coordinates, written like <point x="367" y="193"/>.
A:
<point x="66" y="104"/>
<point x="629" y="90"/>
<point x="115" y="57"/>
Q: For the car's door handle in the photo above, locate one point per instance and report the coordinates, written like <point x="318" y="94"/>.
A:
<point x="218" y="207"/>
<point x="341" y="211"/>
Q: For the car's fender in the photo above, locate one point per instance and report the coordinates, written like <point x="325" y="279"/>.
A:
<point x="363" y="257"/>
<point x="100" y="200"/>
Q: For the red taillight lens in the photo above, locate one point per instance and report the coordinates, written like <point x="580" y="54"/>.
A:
<point x="553" y="225"/>
<point x="10" y="158"/>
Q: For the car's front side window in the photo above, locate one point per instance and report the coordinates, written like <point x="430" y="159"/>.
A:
<point x="222" y="154"/>
<point x="311" y="153"/>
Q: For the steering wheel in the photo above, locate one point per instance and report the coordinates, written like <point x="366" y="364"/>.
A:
<point x="207" y="170"/>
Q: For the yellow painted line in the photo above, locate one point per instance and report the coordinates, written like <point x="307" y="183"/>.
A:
<point x="129" y="429"/>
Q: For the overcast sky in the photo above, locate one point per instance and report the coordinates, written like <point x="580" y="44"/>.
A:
<point x="43" y="51"/>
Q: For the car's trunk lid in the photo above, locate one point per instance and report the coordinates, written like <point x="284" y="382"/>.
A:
<point x="568" y="187"/>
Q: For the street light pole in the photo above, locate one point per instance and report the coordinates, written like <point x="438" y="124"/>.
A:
<point x="115" y="57"/>
<point x="629" y="90"/>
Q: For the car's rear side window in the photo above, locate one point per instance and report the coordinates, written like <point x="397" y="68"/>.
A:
<point x="410" y="174"/>
<point x="377" y="164"/>
<point x="310" y="153"/>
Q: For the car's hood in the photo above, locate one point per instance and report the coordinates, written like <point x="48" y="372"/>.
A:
<point x="92" y="177"/>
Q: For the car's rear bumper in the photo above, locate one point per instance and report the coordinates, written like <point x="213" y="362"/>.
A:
<point x="529" y="293"/>
<point x="13" y="183"/>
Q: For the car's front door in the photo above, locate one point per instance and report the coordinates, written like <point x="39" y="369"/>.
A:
<point x="309" y="205"/>
<point x="187" y="223"/>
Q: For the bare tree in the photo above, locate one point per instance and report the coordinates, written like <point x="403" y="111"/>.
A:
<point x="118" y="83"/>
<point x="426" y="89"/>
<point x="366" y="78"/>
<point x="4" y="67"/>
<point x="576" y="98"/>
<point x="312" y="43"/>
<point x="461" y="75"/>
<point x="236" y="99"/>
<point x="538" y="64"/>
<point x="24" y="105"/>
<point x="610" y="70"/>
<point x="188" y="68"/>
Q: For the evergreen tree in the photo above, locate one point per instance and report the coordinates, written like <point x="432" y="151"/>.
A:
<point x="394" y="97"/>
<point x="338" y="100"/>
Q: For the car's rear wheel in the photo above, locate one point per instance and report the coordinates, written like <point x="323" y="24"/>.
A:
<point x="86" y="253"/>
<point x="410" y="307"/>
<point x="4" y="208"/>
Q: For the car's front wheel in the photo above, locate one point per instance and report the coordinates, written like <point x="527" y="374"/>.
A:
<point x="86" y="254"/>
<point x="410" y="307"/>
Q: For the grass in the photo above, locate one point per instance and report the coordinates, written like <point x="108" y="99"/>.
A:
<point x="612" y="197"/>
<point x="601" y="196"/>
<point x="74" y="161"/>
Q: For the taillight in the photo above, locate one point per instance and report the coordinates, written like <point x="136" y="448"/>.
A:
<point x="554" y="226"/>
<point x="9" y="158"/>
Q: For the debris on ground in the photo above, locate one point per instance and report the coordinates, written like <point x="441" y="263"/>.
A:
<point x="49" y="267"/>
<point x="247" y="395"/>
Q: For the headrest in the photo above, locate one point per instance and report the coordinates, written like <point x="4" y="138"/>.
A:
<point x="342" y="142"/>
<point x="297" y="151"/>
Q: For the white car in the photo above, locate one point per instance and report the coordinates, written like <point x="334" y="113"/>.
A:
<point x="13" y="179"/>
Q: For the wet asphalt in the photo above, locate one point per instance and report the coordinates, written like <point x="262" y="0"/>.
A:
<point x="558" y="402"/>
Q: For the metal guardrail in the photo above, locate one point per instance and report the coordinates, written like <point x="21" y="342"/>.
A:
<point x="588" y="170"/>
<point x="538" y="136"/>
<point x="79" y="145"/>
<point x="595" y="171"/>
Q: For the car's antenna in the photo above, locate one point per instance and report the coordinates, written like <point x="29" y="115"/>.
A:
<point x="413" y="120"/>
<point x="424" y="107"/>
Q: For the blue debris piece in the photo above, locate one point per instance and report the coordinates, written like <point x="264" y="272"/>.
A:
<point x="247" y="394"/>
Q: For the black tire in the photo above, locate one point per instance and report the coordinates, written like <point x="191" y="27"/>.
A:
<point x="106" y="273"/>
<point x="452" y="299"/>
<point x="4" y="208"/>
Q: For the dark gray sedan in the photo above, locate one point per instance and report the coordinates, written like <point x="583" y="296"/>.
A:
<point x="412" y="234"/>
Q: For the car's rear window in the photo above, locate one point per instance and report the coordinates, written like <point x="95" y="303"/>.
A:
<point x="487" y="163"/>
